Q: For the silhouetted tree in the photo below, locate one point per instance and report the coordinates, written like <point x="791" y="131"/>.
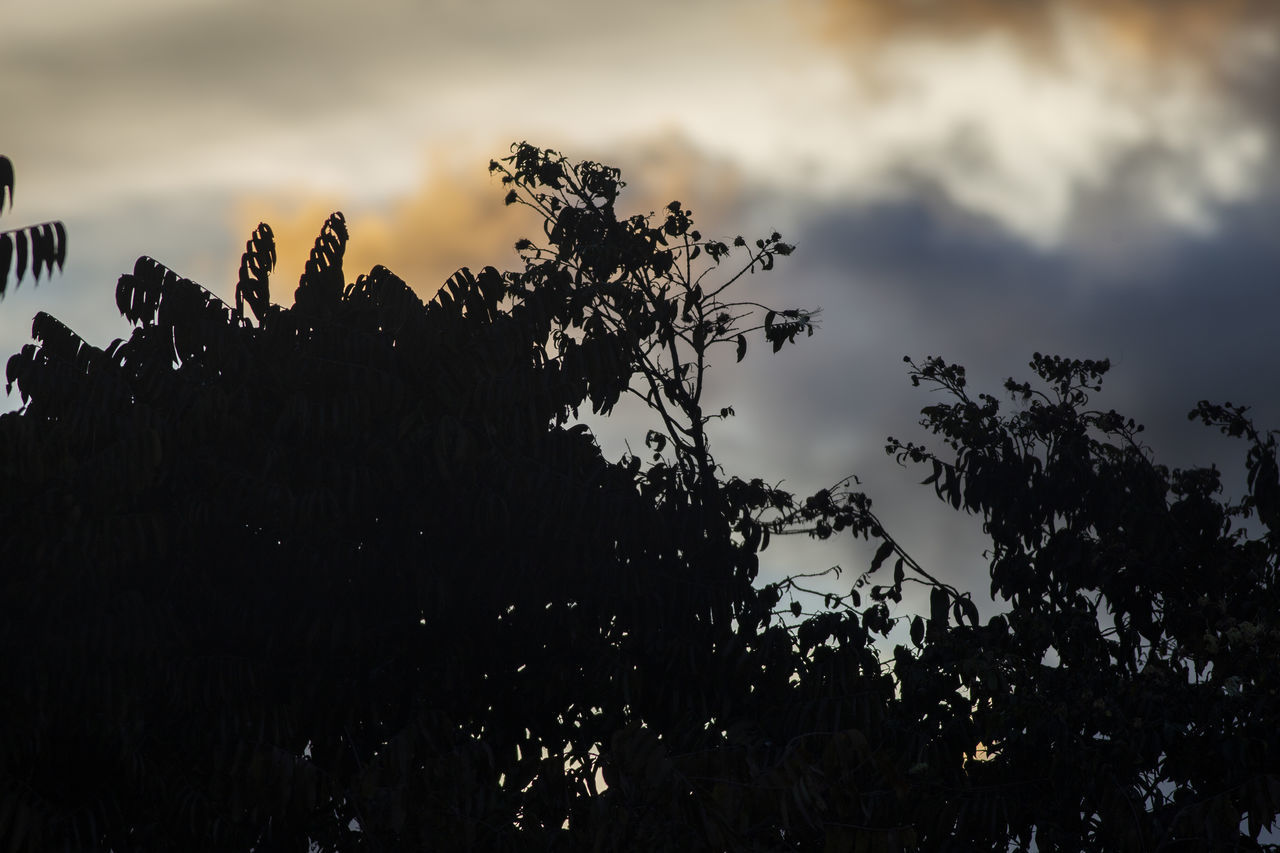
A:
<point x="1128" y="698"/>
<point x="349" y="573"/>
<point x="44" y="244"/>
<point x="350" y="561"/>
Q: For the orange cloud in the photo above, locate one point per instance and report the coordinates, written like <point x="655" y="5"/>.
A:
<point x="456" y="216"/>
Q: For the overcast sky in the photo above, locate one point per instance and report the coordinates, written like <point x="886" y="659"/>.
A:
<point x="972" y="178"/>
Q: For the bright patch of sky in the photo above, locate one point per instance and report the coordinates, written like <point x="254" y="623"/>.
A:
<point x="1002" y="133"/>
<point x="150" y="98"/>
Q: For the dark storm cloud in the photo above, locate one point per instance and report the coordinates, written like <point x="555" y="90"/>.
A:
<point x="1189" y="317"/>
<point x="1192" y="319"/>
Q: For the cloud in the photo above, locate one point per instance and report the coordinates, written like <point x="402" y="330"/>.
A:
<point x="456" y="217"/>
<point x="1152" y="32"/>
<point x="152" y="99"/>
<point x="1020" y="111"/>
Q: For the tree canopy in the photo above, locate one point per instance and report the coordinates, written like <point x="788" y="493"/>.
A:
<point x="351" y="574"/>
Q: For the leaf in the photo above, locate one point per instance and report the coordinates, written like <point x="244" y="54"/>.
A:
<point x="882" y="554"/>
<point x="795" y="608"/>
<point x="952" y="487"/>
<point x="45" y="248"/>
<point x="36" y="241"/>
<point x="917" y="631"/>
<point x="17" y="366"/>
<point x="6" y="181"/>
<point x="938" y="603"/>
<point x="898" y="574"/>
<point x="61" y="233"/>
<point x="656" y="440"/>
<point x="20" y="240"/>
<point x="742" y="346"/>
<point x="6" y="257"/>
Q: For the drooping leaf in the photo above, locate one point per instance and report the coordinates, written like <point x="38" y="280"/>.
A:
<point x="60" y="233"/>
<point x="6" y="182"/>
<point x="6" y="258"/>
<point x="44" y="249"/>
<point x="882" y="554"/>
<point x="939" y="602"/>
<point x="20" y="241"/>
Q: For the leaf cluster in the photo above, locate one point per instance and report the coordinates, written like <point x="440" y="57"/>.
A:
<point x="1126" y="699"/>
<point x="43" y="245"/>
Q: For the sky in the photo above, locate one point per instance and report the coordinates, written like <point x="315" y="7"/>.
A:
<point x="977" y="179"/>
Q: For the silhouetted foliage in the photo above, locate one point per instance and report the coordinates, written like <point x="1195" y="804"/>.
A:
<point x="349" y="573"/>
<point x="1128" y="698"/>
<point x="43" y="244"/>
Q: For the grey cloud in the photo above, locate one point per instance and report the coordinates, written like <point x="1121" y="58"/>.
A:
<point x="1190" y="317"/>
<point x="1196" y="324"/>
